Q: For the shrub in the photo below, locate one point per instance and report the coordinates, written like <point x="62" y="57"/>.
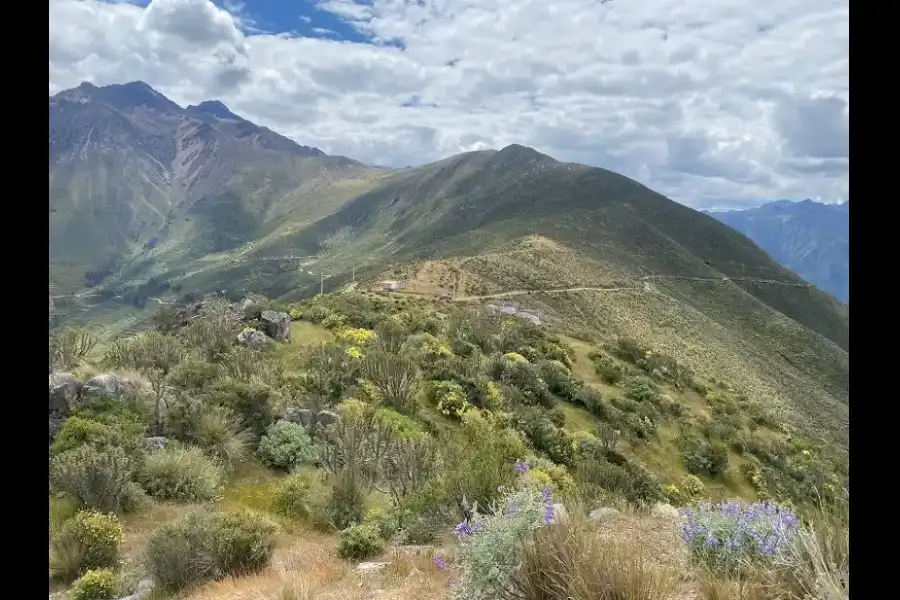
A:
<point x="569" y="560"/>
<point x="69" y="346"/>
<point x="641" y="389"/>
<point x="729" y="536"/>
<point x="251" y="402"/>
<point x="203" y="546"/>
<point x="394" y="379"/>
<point x="360" y="542"/>
<point x="212" y="428"/>
<point x="692" y="486"/>
<point x="299" y="496"/>
<point x="490" y="544"/>
<point x="96" y="584"/>
<point x="478" y="463"/>
<point x="705" y="458"/>
<point x="194" y="374"/>
<point x="183" y="474"/>
<point x="285" y="446"/>
<point x="95" y="479"/>
<point x="78" y="431"/>
<point x="87" y="541"/>
<point x="449" y="397"/>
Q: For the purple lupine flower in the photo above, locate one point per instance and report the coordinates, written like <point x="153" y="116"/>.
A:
<point x="521" y="467"/>
<point x="440" y="563"/>
<point x="549" y="514"/>
<point x="463" y="529"/>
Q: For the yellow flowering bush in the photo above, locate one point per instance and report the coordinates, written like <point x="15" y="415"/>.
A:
<point x="89" y="540"/>
<point x="356" y="336"/>
<point x="515" y="357"/>
<point x="674" y="495"/>
<point x="692" y="486"/>
<point x="95" y="584"/>
<point x="354" y="352"/>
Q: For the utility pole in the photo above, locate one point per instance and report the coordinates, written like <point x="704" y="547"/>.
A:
<point x="321" y="282"/>
<point x="353" y="276"/>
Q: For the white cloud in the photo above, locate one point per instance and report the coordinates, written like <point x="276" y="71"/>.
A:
<point x="702" y="100"/>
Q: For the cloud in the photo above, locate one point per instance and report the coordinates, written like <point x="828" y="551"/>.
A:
<point x="703" y="100"/>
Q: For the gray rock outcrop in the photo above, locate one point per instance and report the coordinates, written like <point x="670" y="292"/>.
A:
<point x="252" y="339"/>
<point x="106" y="386"/>
<point x="277" y="325"/>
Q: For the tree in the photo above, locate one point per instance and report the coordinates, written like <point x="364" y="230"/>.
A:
<point x="394" y="379"/>
<point x="408" y="467"/>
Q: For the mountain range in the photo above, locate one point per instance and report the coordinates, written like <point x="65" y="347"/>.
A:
<point x="151" y="202"/>
<point x="810" y="238"/>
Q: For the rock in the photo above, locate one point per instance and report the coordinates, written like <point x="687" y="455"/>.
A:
<point x="64" y="390"/>
<point x="184" y="315"/>
<point x="662" y="509"/>
<point x="141" y="591"/>
<point x="370" y="567"/>
<point x="252" y="339"/>
<point x="156" y="442"/>
<point x="560" y="514"/>
<point x="249" y="310"/>
<point x="603" y="514"/>
<point x="55" y="425"/>
<point x="277" y="325"/>
<point x="106" y="386"/>
<point x="326" y="418"/>
<point x="300" y="416"/>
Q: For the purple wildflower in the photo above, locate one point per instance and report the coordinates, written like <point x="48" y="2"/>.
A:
<point x="440" y="563"/>
<point x="463" y="529"/>
<point x="521" y="467"/>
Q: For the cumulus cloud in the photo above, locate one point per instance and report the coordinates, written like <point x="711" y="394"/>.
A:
<point x="703" y="100"/>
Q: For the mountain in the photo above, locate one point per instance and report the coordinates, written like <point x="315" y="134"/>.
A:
<point x="153" y="202"/>
<point x="810" y="238"/>
<point x="129" y="167"/>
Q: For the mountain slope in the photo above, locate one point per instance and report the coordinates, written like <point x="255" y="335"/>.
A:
<point x="128" y="167"/>
<point x="189" y="206"/>
<point x="810" y="238"/>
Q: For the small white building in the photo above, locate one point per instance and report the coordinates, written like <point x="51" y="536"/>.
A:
<point x="390" y="286"/>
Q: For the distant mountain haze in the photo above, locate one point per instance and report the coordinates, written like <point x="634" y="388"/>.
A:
<point x="810" y="238"/>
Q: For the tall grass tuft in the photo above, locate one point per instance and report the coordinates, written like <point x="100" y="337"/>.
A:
<point x="570" y="561"/>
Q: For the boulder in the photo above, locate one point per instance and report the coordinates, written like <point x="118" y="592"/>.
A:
<point x="64" y="390"/>
<point x="141" y="590"/>
<point x="106" y="386"/>
<point x="326" y="418"/>
<point x="156" y="442"/>
<point x="277" y="325"/>
<point x="184" y="315"/>
<point x="55" y="425"/>
<point x="603" y="514"/>
<point x="300" y="416"/>
<point x="249" y="310"/>
<point x="252" y="339"/>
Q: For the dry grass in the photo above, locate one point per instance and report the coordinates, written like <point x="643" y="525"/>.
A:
<point x="572" y="561"/>
<point x="308" y="568"/>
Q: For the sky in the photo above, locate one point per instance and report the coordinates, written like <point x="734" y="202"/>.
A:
<point x="714" y="103"/>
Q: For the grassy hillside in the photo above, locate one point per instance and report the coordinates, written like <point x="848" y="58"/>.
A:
<point x="438" y="404"/>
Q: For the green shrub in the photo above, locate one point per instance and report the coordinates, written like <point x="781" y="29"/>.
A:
<point x="705" y="458"/>
<point x="360" y="542"/>
<point x="300" y="496"/>
<point x="183" y="474"/>
<point x="204" y="546"/>
<point x="692" y="486"/>
<point x="285" y="446"/>
<point x="79" y="431"/>
<point x="449" y="397"/>
<point x="640" y="389"/>
<point x="95" y="479"/>
<point x="96" y="584"/>
<point x="347" y="500"/>
<point x="193" y="374"/>
<point x="251" y="402"/>
<point x="212" y="428"/>
<point x="89" y="540"/>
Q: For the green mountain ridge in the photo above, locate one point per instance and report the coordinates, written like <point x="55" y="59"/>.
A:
<point x="227" y="212"/>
